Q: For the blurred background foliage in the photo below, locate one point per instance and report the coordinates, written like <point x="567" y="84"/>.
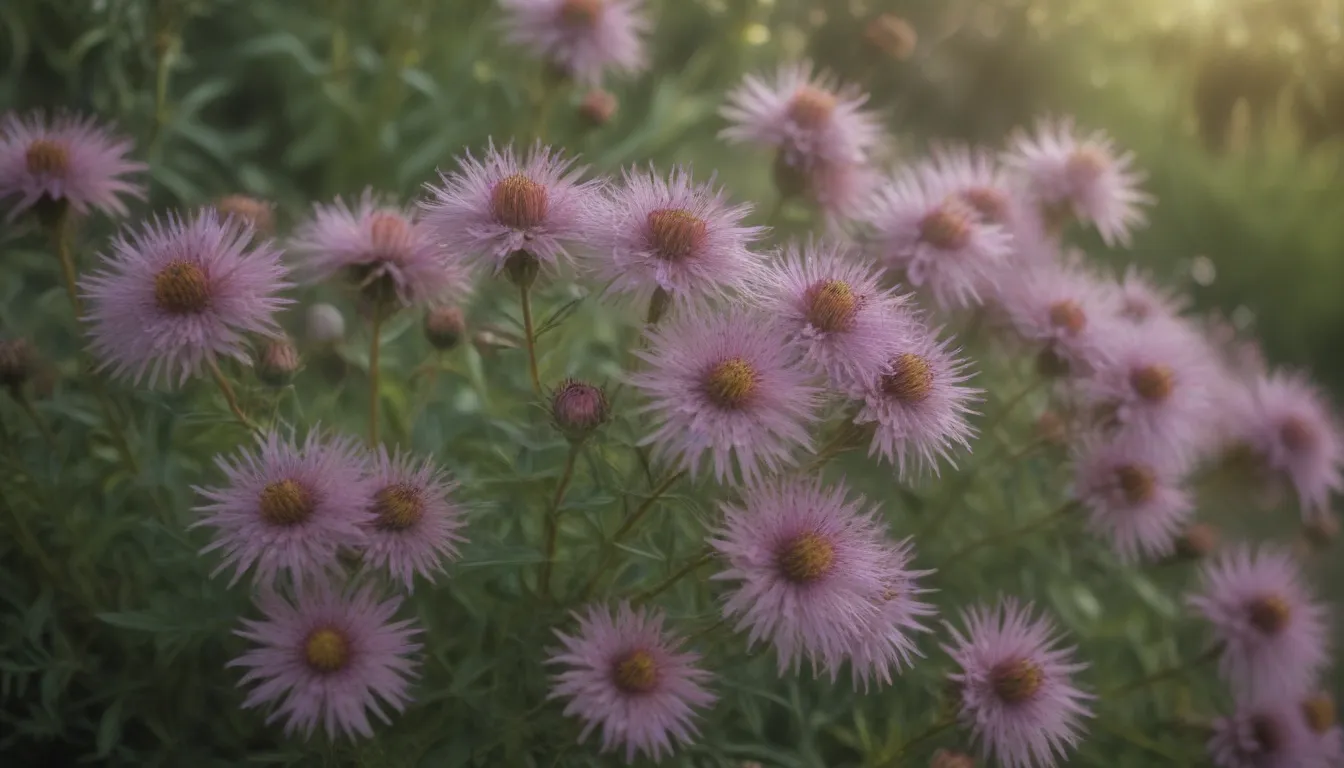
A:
<point x="1234" y="107"/>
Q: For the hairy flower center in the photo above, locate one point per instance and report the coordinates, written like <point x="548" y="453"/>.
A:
<point x="1297" y="434"/>
<point x="1068" y="316"/>
<point x="675" y="233"/>
<point x="1137" y="483"/>
<point x="285" y="503"/>
<point x="910" y="380"/>
<point x="398" y="506"/>
<point x="990" y="203"/>
<point x="326" y="650"/>
<point x="636" y="672"/>
<point x="389" y="231"/>
<point x="581" y="12"/>
<point x="1016" y="680"/>
<point x="45" y="156"/>
<point x="1319" y="711"/>
<point x="806" y="558"/>
<point x="1153" y="383"/>
<point x="1267" y="733"/>
<point x="731" y="383"/>
<point x="1086" y="164"/>
<point x="831" y="306"/>
<point x="1269" y="614"/>
<point x="519" y="202"/>
<point x="180" y="288"/>
<point x="947" y="227"/>
<point x="811" y="107"/>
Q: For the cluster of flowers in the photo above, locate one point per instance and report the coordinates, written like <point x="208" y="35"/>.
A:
<point x="744" y="352"/>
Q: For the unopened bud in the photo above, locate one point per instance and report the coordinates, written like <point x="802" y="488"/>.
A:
<point x="1198" y="541"/>
<point x="521" y="268"/>
<point x="892" y="35"/>
<point x="16" y="362"/>
<point x="325" y="324"/>
<point x="578" y="409"/>
<point x="598" y="106"/>
<point x="278" y="364"/>
<point x="946" y="758"/>
<point x="1321" y="529"/>
<point x="257" y="214"/>
<point x="445" y="327"/>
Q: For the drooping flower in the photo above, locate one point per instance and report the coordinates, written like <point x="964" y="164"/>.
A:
<point x="627" y="676"/>
<point x="928" y="231"/>
<point x="1133" y="496"/>
<point x="328" y="658"/>
<point x="919" y="403"/>
<point x="67" y="159"/>
<point x="1061" y="310"/>
<point x="1264" y="733"/>
<point x="810" y="568"/>
<point x="178" y="294"/>
<point x="834" y="308"/>
<point x="581" y="38"/>
<point x="500" y="204"/>
<point x="414" y="521"/>
<point x="671" y="235"/>
<point x="1084" y="177"/>
<point x="808" y="117"/>
<point x="1274" y="635"/>
<point x="888" y="644"/>
<point x="287" y="507"/>
<point x="725" y="385"/>
<point x="388" y="255"/>
<point x="1016" y="685"/>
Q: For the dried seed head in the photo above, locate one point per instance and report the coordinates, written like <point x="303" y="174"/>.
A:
<point x="598" y="106"/>
<point x="675" y="233"/>
<point x="731" y="383"/>
<point x="278" y="362"/>
<point x="1269" y="613"/>
<point x="811" y="107"/>
<point x="47" y="157"/>
<point x="578" y="409"/>
<point x="1137" y="483"/>
<point x="1016" y="680"/>
<point x="636" y="672"/>
<point x="326" y="650"/>
<point x="249" y="210"/>
<point x="285" y="503"/>
<point x="445" y="327"/>
<point x="518" y="202"/>
<point x="891" y="35"/>
<point x="16" y="362"/>
<point x="910" y="380"/>
<point x="806" y="558"/>
<point x="1068" y="316"/>
<point x="398" y="507"/>
<point x="947" y="227"/>
<point x="1153" y="383"/>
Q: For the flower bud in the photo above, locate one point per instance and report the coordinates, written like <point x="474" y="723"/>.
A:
<point x="445" y="327"/>
<point x="521" y="268"/>
<point x="598" y="107"/>
<point x="16" y="362"/>
<point x="578" y="409"/>
<point x="279" y="361"/>
<point x="1198" y="541"/>
<point x="891" y="35"/>
<point x="249" y="210"/>
<point x="946" y="758"/>
<point x="325" y="325"/>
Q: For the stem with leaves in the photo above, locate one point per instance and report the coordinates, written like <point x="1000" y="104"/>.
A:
<point x="1208" y="655"/>
<point x="1045" y="521"/>
<point x="530" y="338"/>
<point x="626" y="527"/>
<point x="229" y="397"/>
<point x="553" y="519"/>
<point x="375" y="345"/>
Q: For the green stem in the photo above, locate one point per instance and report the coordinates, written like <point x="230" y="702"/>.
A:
<point x="928" y="733"/>
<point x="553" y="520"/>
<point x="375" y="345"/>
<point x="841" y="441"/>
<point x="663" y="585"/>
<point x="1044" y="521"/>
<point x="229" y="397"/>
<point x="530" y="338"/>
<point x="27" y="405"/>
<point x="1010" y="404"/>
<point x="1208" y="655"/>
<point x="625" y="528"/>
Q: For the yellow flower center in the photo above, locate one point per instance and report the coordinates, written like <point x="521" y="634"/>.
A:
<point x="675" y="233"/>
<point x="811" y="107"/>
<point x="636" y="672"/>
<point x="731" y="383"/>
<point x="398" y="507"/>
<point x="831" y="306"/>
<point x="1068" y="316"/>
<point x="581" y="12"/>
<point x="1269" y="614"/>
<point x="910" y="380"/>
<point x="180" y="288"/>
<point x="285" y="503"/>
<point x="45" y="156"/>
<point x="806" y="558"/>
<point x="1087" y="163"/>
<point x="326" y="650"/>
<point x="1016" y="680"/>
<point x="1297" y="434"/>
<point x="947" y="227"/>
<point x="990" y="203"/>
<point x="1153" y="383"/>
<point x="1319" y="711"/>
<point x="1137" y="483"/>
<point x="519" y="202"/>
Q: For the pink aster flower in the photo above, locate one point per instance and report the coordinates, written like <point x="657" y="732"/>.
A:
<point x="919" y="403"/>
<point x="1325" y="738"/>
<point x="808" y="117"/>
<point x="1017" y="693"/>
<point x="1264" y="734"/>
<point x="502" y="203"/>
<point x="1133" y="496"/>
<point x="670" y="235"/>
<point x="382" y="249"/>
<point x="1138" y="300"/>
<point x="179" y="294"/>
<point x="627" y="676"/>
<point x="834" y="309"/>
<point x="328" y="658"/>
<point x="581" y="38"/>
<point x="1081" y="176"/>
<point x="888" y="644"/>
<point x="976" y="178"/>
<point x="288" y="507"/>
<point x="67" y="159"/>
<point x="1274" y="636"/>
<point x="840" y="190"/>
<point x="415" y="522"/>
<point x="810" y="567"/>
<point x="928" y="231"/>
<point x="1060" y="309"/>
<point x="726" y="385"/>
<point x="1287" y="422"/>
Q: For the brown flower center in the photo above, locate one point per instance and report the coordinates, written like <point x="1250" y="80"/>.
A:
<point x="581" y="12"/>
<point x="1016" y="680"/>
<point x="1319" y="712"/>
<point x="1297" y="434"/>
<point x="1269" y="613"/>
<point x="1068" y="316"/>
<point x="45" y="156"/>
<point x="675" y="233"/>
<point x="636" y="672"/>
<point x="831" y="306"/>
<point x="519" y="202"/>
<point x="1087" y="163"/>
<point x="389" y="232"/>
<point x="731" y="383"/>
<point x="1137" y="483"/>
<point x="285" y="503"/>
<point x="180" y="288"/>
<point x="398" y="506"/>
<point x="1268" y="734"/>
<point x="947" y="227"/>
<point x="910" y="380"/>
<point x="806" y="558"/>
<point x="326" y="650"/>
<point x="1153" y="383"/>
<point x="990" y="203"/>
<point x="1198" y="541"/>
<point x="811" y="107"/>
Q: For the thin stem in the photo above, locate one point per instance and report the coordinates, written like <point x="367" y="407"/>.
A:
<point x="553" y="519"/>
<point x="1009" y="405"/>
<point x="663" y="585"/>
<point x="929" y="733"/>
<point x="374" y="346"/>
<point x="842" y="441"/>
<point x="229" y="396"/>
<point x="27" y="405"/>
<point x="629" y="523"/>
<point x="1044" y="521"/>
<point x="530" y="337"/>
<point x="1209" y="654"/>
